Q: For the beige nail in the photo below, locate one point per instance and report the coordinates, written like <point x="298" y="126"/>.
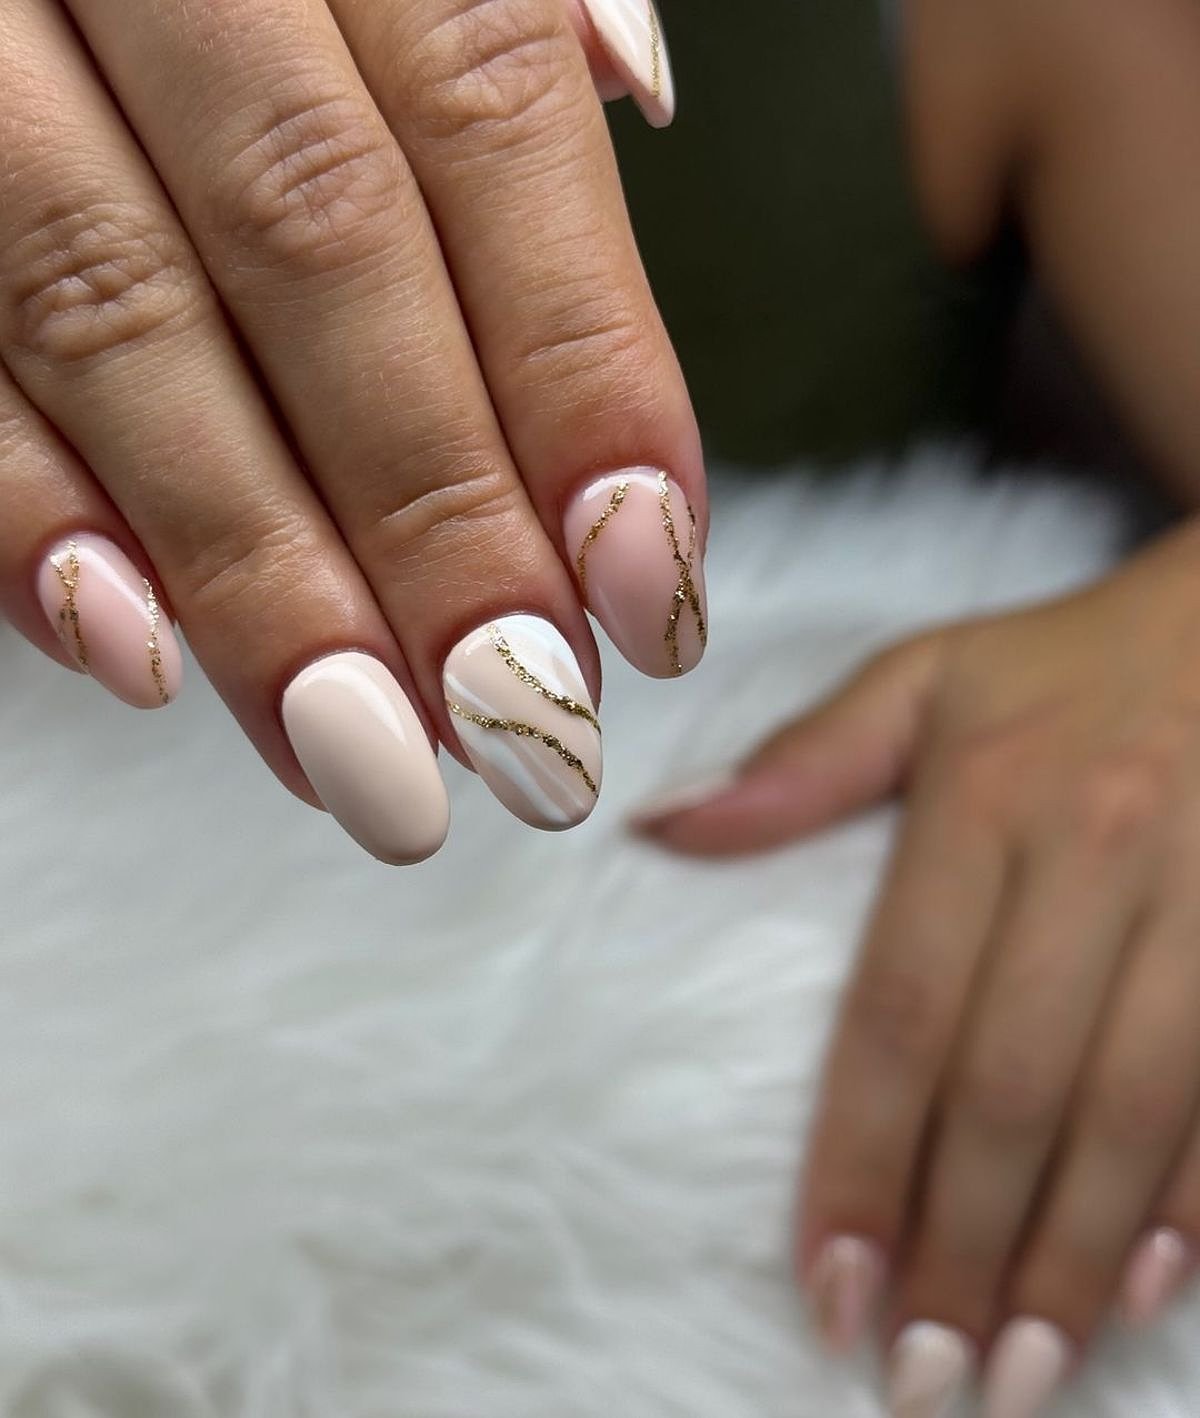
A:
<point x="930" y="1366"/>
<point x="367" y="757"/>
<point x="1156" y="1273"/>
<point x="845" y="1283"/>
<point x="1029" y="1361"/>
<point x="631" y="33"/>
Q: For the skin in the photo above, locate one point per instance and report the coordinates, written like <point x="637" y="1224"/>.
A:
<point x="321" y="312"/>
<point x="1011" y="1097"/>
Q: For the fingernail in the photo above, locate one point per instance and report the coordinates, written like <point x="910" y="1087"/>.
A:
<point x="632" y="538"/>
<point x="367" y="757"/>
<point x="1027" y="1364"/>
<point x="109" y="620"/>
<point x="845" y="1283"/>
<point x="525" y="718"/>
<point x="681" y="799"/>
<point x="930" y="1366"/>
<point x="632" y="36"/>
<point x="1156" y="1273"/>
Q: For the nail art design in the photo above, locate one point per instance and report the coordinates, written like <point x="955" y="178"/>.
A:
<point x="631" y="33"/>
<point x="1029" y="1361"/>
<point x="367" y="756"/>
<point x="930" y="1366"/>
<point x="109" y="620"/>
<point x="1156" y="1273"/>
<point x="639" y="571"/>
<point x="525" y="719"/>
<point x="845" y="1283"/>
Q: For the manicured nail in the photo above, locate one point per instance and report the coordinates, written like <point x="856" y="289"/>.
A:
<point x="1156" y="1273"/>
<point x="525" y="718"/>
<point x="632" y="538"/>
<point x="681" y="799"/>
<point x="930" y="1366"/>
<point x="109" y="620"/>
<point x="367" y="757"/>
<point x="632" y="36"/>
<point x="1029" y="1361"/>
<point x="845" y="1283"/>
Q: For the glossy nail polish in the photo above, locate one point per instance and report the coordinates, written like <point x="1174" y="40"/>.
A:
<point x="632" y="36"/>
<point x="362" y="746"/>
<point x="524" y="716"/>
<point x="1156" y="1273"/>
<point x="930" y="1366"/>
<point x="1028" y="1362"/>
<point x="109" y="620"/>
<point x="845" y="1282"/>
<point x="632" y="539"/>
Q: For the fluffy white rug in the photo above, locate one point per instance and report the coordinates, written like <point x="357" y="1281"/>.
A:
<point x="284" y="1134"/>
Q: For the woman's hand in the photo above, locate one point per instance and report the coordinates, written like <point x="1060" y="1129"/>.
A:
<point x="323" y="328"/>
<point x="1008" y="1127"/>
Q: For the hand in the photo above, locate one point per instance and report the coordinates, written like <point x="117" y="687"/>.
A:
<point x="1008" y="1127"/>
<point x="322" y="327"/>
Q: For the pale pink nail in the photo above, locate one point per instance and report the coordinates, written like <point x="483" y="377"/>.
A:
<point x="682" y="798"/>
<point x="362" y="746"/>
<point x="845" y="1282"/>
<point x="632" y="36"/>
<point x="930" y="1366"/>
<point x="632" y="539"/>
<point x="108" y="617"/>
<point x="1028" y="1362"/>
<point x="524" y="716"/>
<point x="1156" y="1273"/>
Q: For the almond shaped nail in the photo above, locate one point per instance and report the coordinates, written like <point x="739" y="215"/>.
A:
<point x="633" y="542"/>
<point x="109" y="620"/>
<point x="367" y="756"/>
<point x="846" y="1279"/>
<point x="1028" y="1362"/>
<point x="525" y="718"/>
<point x="631" y="33"/>
<point x="1157" y="1271"/>
<point x="930" y="1366"/>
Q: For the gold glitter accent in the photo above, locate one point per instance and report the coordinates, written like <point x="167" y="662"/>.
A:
<point x="155" y="649"/>
<point x="526" y="676"/>
<point x="68" y="616"/>
<point x="685" y="589"/>
<point x="528" y="731"/>
<point x="605" y="517"/>
<point x="655" y="53"/>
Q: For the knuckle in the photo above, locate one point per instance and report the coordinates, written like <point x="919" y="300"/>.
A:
<point x="94" y="280"/>
<point x="251" y="561"/>
<point x="983" y="778"/>
<point x="1004" y="1093"/>
<point x="313" y="186"/>
<point x="1116" y="803"/>
<point x="473" y="506"/>
<point x="492" y="70"/>
<point x="898" y="1010"/>
<point x="1137" y="1111"/>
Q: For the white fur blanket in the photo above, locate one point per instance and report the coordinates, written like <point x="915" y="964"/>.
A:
<point x="287" y="1134"/>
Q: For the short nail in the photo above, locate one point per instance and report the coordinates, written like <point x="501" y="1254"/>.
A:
<point x="632" y="538"/>
<point x="1156" y="1273"/>
<point x="846" y="1279"/>
<point x="367" y="757"/>
<point x="525" y="718"/>
<point x="682" y="798"/>
<point x="632" y="36"/>
<point x="930" y="1366"/>
<point x="109" y="620"/>
<point x="1029" y="1361"/>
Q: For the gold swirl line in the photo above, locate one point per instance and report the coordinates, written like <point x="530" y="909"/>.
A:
<point x="68" y="616"/>
<point x="685" y="587"/>
<point x="528" y="731"/>
<point x="153" y="645"/>
<point x="526" y="676"/>
<point x="594" y="531"/>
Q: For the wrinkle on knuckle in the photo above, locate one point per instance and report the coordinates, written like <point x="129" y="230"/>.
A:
<point x="438" y="520"/>
<point x="93" y="280"/>
<point x="1116" y="803"/>
<point x="1004" y="1093"/>
<point x="248" y="563"/>
<point x="897" y="1009"/>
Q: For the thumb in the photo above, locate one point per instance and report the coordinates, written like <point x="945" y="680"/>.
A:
<point x="849" y="752"/>
<point x="627" y="54"/>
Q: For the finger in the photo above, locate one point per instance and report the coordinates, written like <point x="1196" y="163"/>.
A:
<point x="897" y="1025"/>
<point x="1022" y="1045"/>
<point x="303" y="207"/>
<point x="110" y="328"/>
<point x="840" y="757"/>
<point x="494" y="108"/>
<point x="1167" y="1252"/>
<point x="67" y="559"/>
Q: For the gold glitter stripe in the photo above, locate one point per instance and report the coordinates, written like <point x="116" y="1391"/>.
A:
<point x="605" y="517"/>
<point x="153" y="646"/>
<point x="655" y="53"/>
<point x="526" y="676"/>
<point x="68" y="615"/>
<point x="685" y="588"/>
<point x="528" y="731"/>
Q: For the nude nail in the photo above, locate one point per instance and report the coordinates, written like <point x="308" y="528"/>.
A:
<point x="930" y="1366"/>
<point x="845" y="1283"/>
<point x="108" y="617"/>
<point x="632" y="540"/>
<point x="525" y="718"/>
<point x="1156" y="1273"/>
<point x="367" y="757"/>
<point x="632" y="36"/>
<point x="1029" y="1361"/>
